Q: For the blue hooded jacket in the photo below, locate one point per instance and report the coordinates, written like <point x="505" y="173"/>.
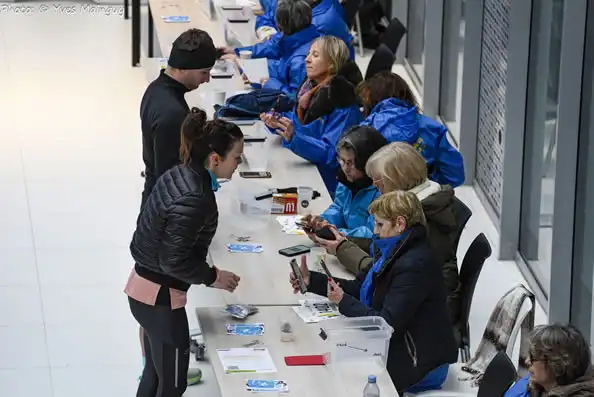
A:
<point x="398" y="121"/>
<point x="333" y="109"/>
<point x="350" y="213"/>
<point x="519" y="389"/>
<point x="327" y="17"/>
<point x="288" y="72"/>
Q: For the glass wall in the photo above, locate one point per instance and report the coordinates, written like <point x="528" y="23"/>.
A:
<point x="415" y="38"/>
<point x="452" y="65"/>
<point x="540" y="148"/>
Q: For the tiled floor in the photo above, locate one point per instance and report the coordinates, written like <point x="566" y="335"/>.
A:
<point x="70" y="189"/>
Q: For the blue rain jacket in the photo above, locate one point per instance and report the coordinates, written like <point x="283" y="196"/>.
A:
<point x="316" y="141"/>
<point x="350" y="213"/>
<point x="288" y="72"/>
<point x="327" y="17"/>
<point x="398" y="121"/>
<point x="519" y="389"/>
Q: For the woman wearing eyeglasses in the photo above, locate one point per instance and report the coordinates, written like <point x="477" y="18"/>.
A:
<point x="355" y="191"/>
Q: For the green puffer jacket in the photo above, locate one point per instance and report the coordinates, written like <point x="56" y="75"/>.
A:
<point x="442" y="224"/>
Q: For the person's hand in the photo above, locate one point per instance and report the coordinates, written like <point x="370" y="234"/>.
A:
<point x="286" y="129"/>
<point x="226" y="280"/>
<point x="226" y="50"/>
<point x="263" y="80"/>
<point x="332" y="245"/>
<point x="304" y="272"/>
<point x="270" y="120"/>
<point x="335" y="292"/>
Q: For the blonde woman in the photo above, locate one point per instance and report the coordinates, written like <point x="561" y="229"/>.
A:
<point x="405" y="286"/>
<point x="398" y="166"/>
<point x="326" y="106"/>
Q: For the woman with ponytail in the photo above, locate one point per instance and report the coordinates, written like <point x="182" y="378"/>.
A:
<point x="170" y="247"/>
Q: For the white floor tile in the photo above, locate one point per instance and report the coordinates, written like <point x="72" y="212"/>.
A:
<point x="23" y="347"/>
<point x="88" y="305"/>
<point x="20" y="305"/>
<point x="31" y="382"/>
<point x="17" y="267"/>
<point x="103" y="345"/>
<point x="84" y="267"/>
<point x="89" y="381"/>
<point x="15" y="229"/>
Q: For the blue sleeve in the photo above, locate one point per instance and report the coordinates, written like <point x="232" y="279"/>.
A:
<point x="335" y="213"/>
<point x="268" y="18"/>
<point x="449" y="165"/>
<point x="360" y="232"/>
<point x="267" y="49"/>
<point x="519" y="389"/>
<point x="316" y="141"/>
<point x="288" y="84"/>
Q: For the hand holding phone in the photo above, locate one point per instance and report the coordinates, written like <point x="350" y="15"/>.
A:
<point x="299" y="276"/>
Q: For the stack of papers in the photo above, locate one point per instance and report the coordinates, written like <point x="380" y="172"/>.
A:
<point x="258" y="385"/>
<point x="256" y="360"/>
<point x="255" y="69"/>
<point x="316" y="310"/>
<point x="287" y="222"/>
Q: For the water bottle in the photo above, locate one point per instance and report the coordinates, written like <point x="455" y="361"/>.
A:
<point x="371" y="389"/>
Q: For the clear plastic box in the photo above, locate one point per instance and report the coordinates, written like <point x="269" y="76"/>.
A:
<point x="249" y="214"/>
<point x="358" y="340"/>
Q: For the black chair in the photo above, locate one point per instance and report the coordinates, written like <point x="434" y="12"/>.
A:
<point x="473" y="262"/>
<point x="498" y="377"/>
<point x="382" y="60"/>
<point x="350" y="9"/>
<point x="394" y="34"/>
<point x="463" y="214"/>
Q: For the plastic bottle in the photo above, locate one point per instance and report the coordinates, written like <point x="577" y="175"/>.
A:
<point x="371" y="389"/>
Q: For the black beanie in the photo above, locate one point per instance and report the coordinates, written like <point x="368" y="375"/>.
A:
<point x="203" y="57"/>
<point x="365" y="141"/>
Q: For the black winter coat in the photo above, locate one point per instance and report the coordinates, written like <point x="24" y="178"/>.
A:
<point x="162" y="112"/>
<point x="409" y="293"/>
<point x="175" y="229"/>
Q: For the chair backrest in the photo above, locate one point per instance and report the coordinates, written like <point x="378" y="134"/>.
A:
<point x="475" y="257"/>
<point x="463" y="214"/>
<point x="382" y="60"/>
<point x="498" y="377"/>
<point x="394" y="34"/>
<point x="350" y="8"/>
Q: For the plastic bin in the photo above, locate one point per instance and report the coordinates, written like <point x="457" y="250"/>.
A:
<point x="358" y="341"/>
<point x="249" y="214"/>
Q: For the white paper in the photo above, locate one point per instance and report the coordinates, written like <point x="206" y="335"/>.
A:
<point x="255" y="69"/>
<point x="287" y="222"/>
<point x="255" y="359"/>
<point x="309" y="313"/>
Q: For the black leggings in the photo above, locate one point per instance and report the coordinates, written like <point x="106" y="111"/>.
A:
<point x="166" y="347"/>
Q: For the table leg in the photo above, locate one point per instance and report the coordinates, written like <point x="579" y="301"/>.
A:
<point x="150" y="32"/>
<point x="135" y="32"/>
<point x="126" y="13"/>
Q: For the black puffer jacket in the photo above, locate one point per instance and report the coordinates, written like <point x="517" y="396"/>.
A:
<point x="175" y="229"/>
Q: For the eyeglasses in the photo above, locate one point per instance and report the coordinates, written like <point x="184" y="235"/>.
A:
<point x="345" y="163"/>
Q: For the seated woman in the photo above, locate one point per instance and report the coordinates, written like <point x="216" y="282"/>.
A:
<point x="560" y="364"/>
<point x="405" y="287"/>
<point x="327" y="17"/>
<point x="355" y="190"/>
<point x="398" y="166"/>
<point x="286" y="66"/>
<point x="391" y="108"/>
<point x="327" y="106"/>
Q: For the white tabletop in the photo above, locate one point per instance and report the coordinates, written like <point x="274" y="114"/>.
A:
<point x="303" y="381"/>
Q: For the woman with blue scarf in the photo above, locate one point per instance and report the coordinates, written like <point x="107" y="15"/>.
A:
<point x="405" y="286"/>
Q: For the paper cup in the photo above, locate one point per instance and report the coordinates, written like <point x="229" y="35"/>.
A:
<point x="245" y="54"/>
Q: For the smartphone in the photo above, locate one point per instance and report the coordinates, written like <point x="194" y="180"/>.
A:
<point x="294" y="250"/>
<point x="232" y="7"/>
<point x="255" y="174"/>
<point x="298" y="275"/>
<point x="325" y="268"/>
<point x="326" y="233"/>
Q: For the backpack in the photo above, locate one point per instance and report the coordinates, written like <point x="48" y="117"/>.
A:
<point x="251" y="104"/>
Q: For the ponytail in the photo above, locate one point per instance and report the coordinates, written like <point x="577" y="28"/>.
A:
<point x="199" y="137"/>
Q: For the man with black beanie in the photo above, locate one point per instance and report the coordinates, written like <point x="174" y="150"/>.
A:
<point x="163" y="107"/>
<point x="162" y="112"/>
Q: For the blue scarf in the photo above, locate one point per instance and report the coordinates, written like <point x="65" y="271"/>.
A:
<point x="214" y="183"/>
<point x="385" y="245"/>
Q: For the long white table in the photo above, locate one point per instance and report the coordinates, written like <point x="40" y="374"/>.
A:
<point x="304" y="381"/>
